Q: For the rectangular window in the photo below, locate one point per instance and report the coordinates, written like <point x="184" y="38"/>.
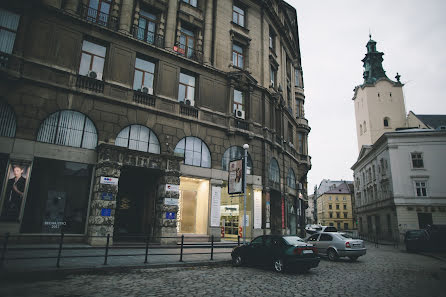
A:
<point x="345" y="226"/>
<point x="191" y="2"/>
<point x="57" y="198"/>
<point x="296" y="77"/>
<point x="92" y="59"/>
<point x="420" y="187"/>
<point x="331" y="215"/>
<point x="299" y="108"/>
<point x="330" y="206"/>
<point x="417" y="160"/>
<point x="272" y="39"/>
<point x="290" y="133"/>
<point x="99" y="11"/>
<point x="9" y="22"/>
<point x="345" y="215"/>
<point x="289" y="98"/>
<point x="186" y="89"/>
<point x="337" y="205"/>
<point x="345" y="206"/>
<point x="237" y="56"/>
<point x="238" y="15"/>
<point x="187" y="42"/>
<point x="146" y="27"/>
<point x="238" y="100"/>
<point x="144" y="74"/>
<point x="338" y="215"/>
<point x="272" y="76"/>
<point x="300" y="144"/>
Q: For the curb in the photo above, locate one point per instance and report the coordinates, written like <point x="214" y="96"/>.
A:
<point x="38" y="275"/>
<point x="433" y="256"/>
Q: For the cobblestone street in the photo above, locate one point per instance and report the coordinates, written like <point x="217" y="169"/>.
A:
<point x="383" y="271"/>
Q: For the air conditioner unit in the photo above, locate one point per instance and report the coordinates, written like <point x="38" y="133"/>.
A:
<point x="92" y="74"/>
<point x="189" y="102"/>
<point x="240" y="114"/>
<point x="99" y="76"/>
<point x="147" y="90"/>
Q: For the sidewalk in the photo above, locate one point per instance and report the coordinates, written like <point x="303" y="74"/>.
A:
<point x="42" y="258"/>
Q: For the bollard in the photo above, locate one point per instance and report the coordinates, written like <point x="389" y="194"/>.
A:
<point x="5" y="246"/>
<point x="212" y="247"/>
<point x="181" y="251"/>
<point x="60" y="249"/>
<point x="106" y="249"/>
<point x="147" y="249"/>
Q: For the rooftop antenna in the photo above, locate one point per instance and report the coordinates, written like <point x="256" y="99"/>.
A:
<point x="370" y="34"/>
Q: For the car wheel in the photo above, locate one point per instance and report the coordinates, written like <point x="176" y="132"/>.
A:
<point x="353" y="258"/>
<point x="278" y="265"/>
<point x="332" y="255"/>
<point x="237" y="260"/>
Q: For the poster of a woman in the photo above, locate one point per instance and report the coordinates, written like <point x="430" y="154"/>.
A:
<point x="15" y="191"/>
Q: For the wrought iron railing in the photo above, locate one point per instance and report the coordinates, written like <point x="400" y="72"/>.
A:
<point x="189" y="111"/>
<point x="147" y="36"/>
<point x="98" y="17"/>
<point x="91" y="84"/>
<point x="189" y="52"/>
<point x="143" y="98"/>
<point x="242" y="124"/>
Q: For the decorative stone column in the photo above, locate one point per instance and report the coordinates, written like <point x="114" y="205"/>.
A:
<point x="103" y="204"/>
<point x="126" y="16"/>
<point x="165" y="230"/>
<point x="208" y="22"/>
<point x="71" y="5"/>
<point x="171" y="24"/>
<point x="216" y="185"/>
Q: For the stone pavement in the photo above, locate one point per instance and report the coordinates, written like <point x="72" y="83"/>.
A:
<point x="383" y="271"/>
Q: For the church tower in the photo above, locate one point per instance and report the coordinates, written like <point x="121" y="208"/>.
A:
<point x="379" y="101"/>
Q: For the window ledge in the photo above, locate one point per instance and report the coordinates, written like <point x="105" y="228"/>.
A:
<point x="246" y="30"/>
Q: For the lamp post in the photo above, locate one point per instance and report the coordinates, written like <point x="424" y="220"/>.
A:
<point x="245" y="147"/>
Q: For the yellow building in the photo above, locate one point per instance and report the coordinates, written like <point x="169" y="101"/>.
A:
<point x="334" y="208"/>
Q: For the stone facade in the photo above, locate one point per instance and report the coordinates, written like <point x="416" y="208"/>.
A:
<point x="41" y="76"/>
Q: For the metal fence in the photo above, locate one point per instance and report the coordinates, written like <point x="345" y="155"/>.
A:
<point x="139" y="244"/>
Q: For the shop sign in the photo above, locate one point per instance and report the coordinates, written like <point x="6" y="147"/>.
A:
<point x="109" y="180"/>
<point x="105" y="212"/>
<point x="106" y="196"/>
<point x="172" y="188"/>
<point x="215" y="206"/>
<point x="170" y="201"/>
<point x="171" y="215"/>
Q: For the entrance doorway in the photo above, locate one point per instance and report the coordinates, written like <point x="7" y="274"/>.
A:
<point x="424" y="219"/>
<point x="135" y="203"/>
<point x="276" y="212"/>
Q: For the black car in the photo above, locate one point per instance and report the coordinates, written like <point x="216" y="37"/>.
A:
<point x="416" y="240"/>
<point x="279" y="251"/>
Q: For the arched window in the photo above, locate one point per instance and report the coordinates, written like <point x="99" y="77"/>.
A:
<point x="365" y="127"/>
<point x="139" y="138"/>
<point x="194" y="151"/>
<point x="291" y="179"/>
<point x="7" y="120"/>
<point x="235" y="153"/>
<point x="69" y="128"/>
<point x="386" y="122"/>
<point x="274" y="171"/>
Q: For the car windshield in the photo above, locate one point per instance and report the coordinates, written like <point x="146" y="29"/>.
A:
<point x="330" y="229"/>
<point x="293" y="240"/>
<point x="343" y="235"/>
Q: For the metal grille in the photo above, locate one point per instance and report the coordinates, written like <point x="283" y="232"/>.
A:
<point x="7" y="121"/>
<point x="68" y="128"/>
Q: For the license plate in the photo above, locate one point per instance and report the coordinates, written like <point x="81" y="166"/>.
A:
<point x="307" y="252"/>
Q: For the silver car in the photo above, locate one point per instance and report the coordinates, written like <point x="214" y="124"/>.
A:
<point x="336" y="244"/>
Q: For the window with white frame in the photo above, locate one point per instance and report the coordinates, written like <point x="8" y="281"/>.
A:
<point x="239" y="102"/>
<point x="272" y="75"/>
<point x="92" y="59"/>
<point x="421" y="188"/>
<point x="186" y="89"/>
<point x="9" y="22"/>
<point x="144" y="74"/>
<point x="194" y="151"/>
<point x="417" y="160"/>
<point x="138" y="137"/>
<point x="238" y="15"/>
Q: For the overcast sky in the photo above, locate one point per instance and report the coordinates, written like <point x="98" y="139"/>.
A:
<point x="333" y="36"/>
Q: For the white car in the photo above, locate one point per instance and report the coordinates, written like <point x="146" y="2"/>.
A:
<point x="336" y="244"/>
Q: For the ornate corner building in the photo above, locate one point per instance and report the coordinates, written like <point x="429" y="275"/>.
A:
<point x="121" y="117"/>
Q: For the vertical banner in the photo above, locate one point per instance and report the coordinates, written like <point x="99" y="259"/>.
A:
<point x="257" y="210"/>
<point x="283" y="212"/>
<point x="235" y="177"/>
<point x="215" y="206"/>
<point x="267" y="211"/>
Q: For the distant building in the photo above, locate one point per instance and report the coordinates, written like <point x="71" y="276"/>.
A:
<point x="335" y="208"/>
<point x="399" y="174"/>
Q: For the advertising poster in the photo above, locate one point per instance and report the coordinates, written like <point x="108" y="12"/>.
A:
<point x="235" y="177"/>
<point x="215" y="206"/>
<point x="15" y="190"/>
<point x="54" y="212"/>
<point x="257" y="210"/>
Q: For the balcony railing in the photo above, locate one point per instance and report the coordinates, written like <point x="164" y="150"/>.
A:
<point x="98" y="17"/>
<point x="240" y="124"/>
<point x="147" y="36"/>
<point x="91" y="84"/>
<point x="4" y="59"/>
<point x="143" y="98"/>
<point x="189" y="52"/>
<point x="189" y="111"/>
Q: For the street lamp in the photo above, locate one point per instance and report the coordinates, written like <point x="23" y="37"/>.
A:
<point x="245" y="147"/>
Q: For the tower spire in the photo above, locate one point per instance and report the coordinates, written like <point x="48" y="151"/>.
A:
<point x="373" y="68"/>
